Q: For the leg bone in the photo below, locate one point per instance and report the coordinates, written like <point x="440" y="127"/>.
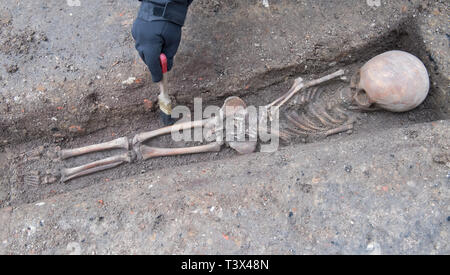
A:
<point x="120" y="143"/>
<point x="169" y="129"/>
<point x="96" y="166"/>
<point x="147" y="152"/>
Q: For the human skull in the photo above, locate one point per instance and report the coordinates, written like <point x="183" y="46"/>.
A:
<point x="396" y="81"/>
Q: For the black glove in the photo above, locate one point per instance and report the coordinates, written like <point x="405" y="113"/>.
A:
<point x="157" y="30"/>
<point x="153" y="38"/>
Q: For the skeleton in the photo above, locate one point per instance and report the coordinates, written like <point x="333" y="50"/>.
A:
<point x="395" y="81"/>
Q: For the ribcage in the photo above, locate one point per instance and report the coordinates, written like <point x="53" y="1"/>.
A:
<point x="314" y="113"/>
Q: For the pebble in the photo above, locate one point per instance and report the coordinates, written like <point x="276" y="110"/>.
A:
<point x="73" y="3"/>
<point x="374" y="248"/>
<point x="348" y="168"/>
<point x="73" y="248"/>
<point x="373" y="3"/>
<point x="411" y="183"/>
<point x="129" y="81"/>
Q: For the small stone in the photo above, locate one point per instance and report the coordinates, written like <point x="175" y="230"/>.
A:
<point x="367" y="173"/>
<point x="11" y="68"/>
<point x="129" y="81"/>
<point x="49" y="180"/>
<point x="373" y="3"/>
<point x="348" y="168"/>
<point x="411" y="183"/>
<point x="441" y="158"/>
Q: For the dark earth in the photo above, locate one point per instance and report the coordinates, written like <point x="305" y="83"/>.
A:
<point x="381" y="188"/>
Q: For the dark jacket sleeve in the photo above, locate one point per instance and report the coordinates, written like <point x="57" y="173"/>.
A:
<point x="174" y="11"/>
<point x="188" y="2"/>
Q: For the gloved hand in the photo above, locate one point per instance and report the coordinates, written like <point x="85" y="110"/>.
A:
<point x="153" y="38"/>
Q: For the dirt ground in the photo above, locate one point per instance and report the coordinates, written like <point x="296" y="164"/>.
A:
<point x="63" y="84"/>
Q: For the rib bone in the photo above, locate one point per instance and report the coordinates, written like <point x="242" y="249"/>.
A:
<point x="313" y="111"/>
<point x="297" y="131"/>
<point x="96" y="166"/>
<point x="322" y="111"/>
<point x="294" y="119"/>
<point x="341" y="112"/>
<point x="315" y="92"/>
<point x="120" y="143"/>
<point x="340" y="129"/>
<point x="306" y="96"/>
<point x="309" y="123"/>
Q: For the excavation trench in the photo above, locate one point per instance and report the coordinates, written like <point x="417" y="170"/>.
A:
<point x="23" y="163"/>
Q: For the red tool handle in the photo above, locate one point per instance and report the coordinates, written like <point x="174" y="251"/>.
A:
<point x="163" y="61"/>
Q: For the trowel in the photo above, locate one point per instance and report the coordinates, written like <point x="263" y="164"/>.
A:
<point x="165" y="104"/>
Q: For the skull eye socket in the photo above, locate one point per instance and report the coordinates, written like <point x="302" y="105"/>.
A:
<point x="361" y="98"/>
